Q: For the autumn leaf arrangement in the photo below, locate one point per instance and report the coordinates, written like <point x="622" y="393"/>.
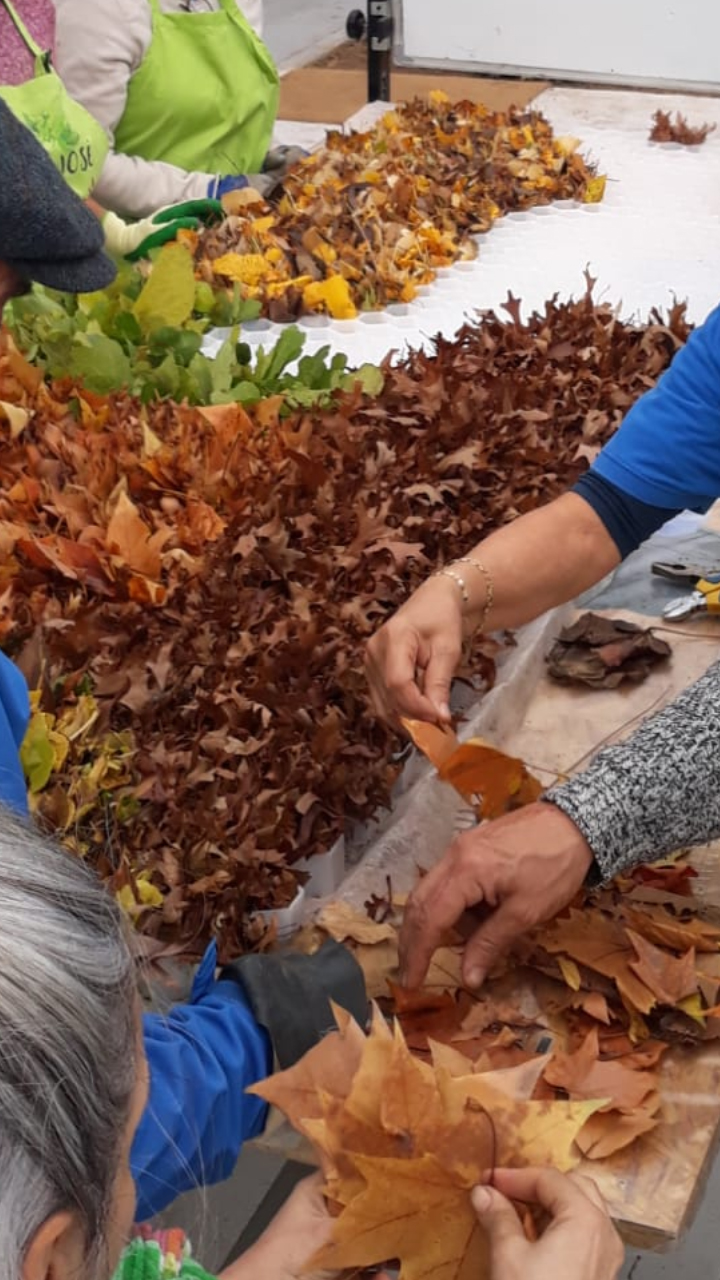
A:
<point x="402" y="1142"/>
<point x="368" y="219"/>
<point x="189" y="592"/>
<point x="559" y="1059"/>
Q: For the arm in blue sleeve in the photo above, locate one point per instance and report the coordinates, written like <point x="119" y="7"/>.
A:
<point x="667" y="451"/>
<point x="202" y="1057"/>
<point x="628" y="521"/>
<point x="14" y="717"/>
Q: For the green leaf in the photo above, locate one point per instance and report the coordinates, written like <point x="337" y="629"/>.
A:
<point x="370" y="378"/>
<point x="37" y="754"/>
<point x="100" y="363"/>
<point x="223" y="367"/>
<point x="168" y="296"/>
<point x="240" y="393"/>
<point x="287" y="349"/>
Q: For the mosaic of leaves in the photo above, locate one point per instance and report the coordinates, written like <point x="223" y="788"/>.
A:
<point x="402" y="1143"/>
<point x="206" y="580"/>
<point x="369" y="219"/>
<point x="584" y="1010"/>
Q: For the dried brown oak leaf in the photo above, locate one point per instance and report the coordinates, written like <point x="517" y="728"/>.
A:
<point x="665" y="129"/>
<point x="236" y="680"/>
<point x="603" y="652"/>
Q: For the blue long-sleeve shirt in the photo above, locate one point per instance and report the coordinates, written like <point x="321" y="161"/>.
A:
<point x="665" y="457"/>
<point x="201" y="1056"/>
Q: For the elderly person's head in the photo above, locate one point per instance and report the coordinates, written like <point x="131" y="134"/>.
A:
<point x="72" y="1071"/>
<point x="46" y="233"/>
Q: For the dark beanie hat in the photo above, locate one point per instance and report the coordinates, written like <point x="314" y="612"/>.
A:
<point x="46" y="232"/>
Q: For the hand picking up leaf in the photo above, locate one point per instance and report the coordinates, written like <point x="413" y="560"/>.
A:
<point x="402" y="1143"/>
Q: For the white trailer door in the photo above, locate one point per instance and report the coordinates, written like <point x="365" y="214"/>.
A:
<point x="659" y="43"/>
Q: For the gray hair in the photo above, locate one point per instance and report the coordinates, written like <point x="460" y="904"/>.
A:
<point x="68" y="1043"/>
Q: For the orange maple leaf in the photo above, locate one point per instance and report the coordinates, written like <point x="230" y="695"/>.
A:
<point x="328" y="1068"/>
<point x="670" y="980"/>
<point x="659" y="926"/>
<point x="526" y="1132"/>
<point x="582" y="1075"/>
<point x="485" y="777"/>
<point x="601" y="944"/>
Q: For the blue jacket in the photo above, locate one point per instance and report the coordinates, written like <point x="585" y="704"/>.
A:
<point x="202" y="1055"/>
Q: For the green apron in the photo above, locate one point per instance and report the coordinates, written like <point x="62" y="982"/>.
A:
<point x="205" y="96"/>
<point x="75" y="142"/>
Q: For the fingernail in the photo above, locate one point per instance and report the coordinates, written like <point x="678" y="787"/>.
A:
<point x="444" y="711"/>
<point x="474" y="978"/>
<point x="481" y="1199"/>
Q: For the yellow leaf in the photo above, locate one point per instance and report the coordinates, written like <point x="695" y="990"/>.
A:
<point x="168" y="297"/>
<point x="692" y="1006"/>
<point x="43" y="751"/>
<point x="152" y="444"/>
<point x="570" y="973"/>
<point x="244" y="268"/>
<point x="77" y="719"/>
<point x="17" y="418"/>
<point x="146" y="895"/>
<point x="333" y="294"/>
<point x="595" y="190"/>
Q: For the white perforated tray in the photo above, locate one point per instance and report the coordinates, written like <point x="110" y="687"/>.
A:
<point x="656" y="235"/>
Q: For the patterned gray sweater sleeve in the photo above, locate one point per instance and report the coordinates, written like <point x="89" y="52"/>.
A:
<point x="657" y="792"/>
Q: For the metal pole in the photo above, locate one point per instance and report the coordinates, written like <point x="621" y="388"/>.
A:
<point x="379" y="27"/>
<point x="380" y="43"/>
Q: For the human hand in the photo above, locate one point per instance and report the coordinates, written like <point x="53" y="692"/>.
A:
<point x="283" y="158"/>
<point x="525" y="867"/>
<point x="579" y="1243"/>
<point x="296" y="1233"/>
<point x="411" y="660"/>
<point x="135" y="240"/>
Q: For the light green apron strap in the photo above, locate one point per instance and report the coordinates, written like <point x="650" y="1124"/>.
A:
<point x="23" y="32"/>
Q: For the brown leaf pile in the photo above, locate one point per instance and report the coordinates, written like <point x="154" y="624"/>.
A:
<point x="211" y="577"/>
<point x="584" y="1011"/>
<point x="369" y="218"/>
<point x="604" y="652"/>
<point x="665" y="129"/>
<point x="403" y="1142"/>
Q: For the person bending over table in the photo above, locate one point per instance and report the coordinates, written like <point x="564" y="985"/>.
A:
<point x="639" y="801"/>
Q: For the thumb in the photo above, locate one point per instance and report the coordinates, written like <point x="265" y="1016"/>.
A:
<point x="438" y="678"/>
<point x="497" y="1215"/>
<point x="488" y="943"/>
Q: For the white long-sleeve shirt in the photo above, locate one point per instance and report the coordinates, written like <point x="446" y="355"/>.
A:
<point x="99" y="45"/>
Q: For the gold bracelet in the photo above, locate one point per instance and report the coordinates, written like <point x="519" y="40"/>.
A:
<point x="489" y="587"/>
<point x="448" y="573"/>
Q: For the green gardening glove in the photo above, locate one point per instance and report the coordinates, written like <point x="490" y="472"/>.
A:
<point x="135" y="240"/>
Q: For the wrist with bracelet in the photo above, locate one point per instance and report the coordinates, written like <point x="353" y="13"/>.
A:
<point x="449" y="571"/>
